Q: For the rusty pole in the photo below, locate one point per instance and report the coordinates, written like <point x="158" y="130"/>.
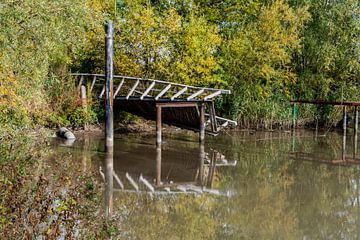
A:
<point x="109" y="74"/>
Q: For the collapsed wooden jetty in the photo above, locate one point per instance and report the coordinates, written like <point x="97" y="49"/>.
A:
<point x="175" y="104"/>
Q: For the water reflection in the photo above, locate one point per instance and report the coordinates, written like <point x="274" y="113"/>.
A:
<point x="345" y="156"/>
<point x="283" y="186"/>
<point x="194" y="176"/>
<point x="109" y="182"/>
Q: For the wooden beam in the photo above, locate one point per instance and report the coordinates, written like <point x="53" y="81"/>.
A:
<point x="177" y="104"/>
<point x="147" y="90"/>
<point x="212" y="95"/>
<point x="195" y="94"/>
<point x="179" y="93"/>
<point x="163" y="91"/>
<point x="133" y="89"/>
<point x="119" y="87"/>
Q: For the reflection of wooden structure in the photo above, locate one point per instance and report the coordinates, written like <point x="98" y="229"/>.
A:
<point x="175" y="104"/>
<point x="130" y="182"/>
<point x="345" y="160"/>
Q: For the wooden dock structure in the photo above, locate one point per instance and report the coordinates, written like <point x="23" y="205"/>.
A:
<point x="175" y="104"/>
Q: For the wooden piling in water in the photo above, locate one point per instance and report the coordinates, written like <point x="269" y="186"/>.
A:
<point x="109" y="74"/>
<point x="158" y="125"/>
<point x="356" y="119"/>
<point x="202" y="123"/>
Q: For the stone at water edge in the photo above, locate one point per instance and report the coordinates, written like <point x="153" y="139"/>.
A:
<point x="65" y="133"/>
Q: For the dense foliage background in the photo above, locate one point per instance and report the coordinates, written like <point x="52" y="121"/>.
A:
<point x="266" y="51"/>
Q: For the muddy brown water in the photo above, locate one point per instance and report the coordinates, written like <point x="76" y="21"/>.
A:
<point x="238" y="185"/>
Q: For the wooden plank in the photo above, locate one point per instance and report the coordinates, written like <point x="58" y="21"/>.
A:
<point x="212" y="95"/>
<point x="147" y="90"/>
<point x="119" y="87"/>
<point x="133" y="89"/>
<point x="195" y="94"/>
<point x="163" y="91"/>
<point x="179" y="93"/>
<point x="322" y="102"/>
<point x="178" y="104"/>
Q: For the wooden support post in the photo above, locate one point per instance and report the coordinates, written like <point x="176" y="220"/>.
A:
<point x="83" y="97"/>
<point x="83" y="101"/>
<point x="356" y="119"/>
<point x="109" y="74"/>
<point x="294" y="116"/>
<point x="158" y="125"/>
<point x="202" y="123"/>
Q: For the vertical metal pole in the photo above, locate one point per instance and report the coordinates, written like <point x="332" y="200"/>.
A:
<point x="158" y="165"/>
<point x="202" y="123"/>
<point x="294" y="116"/>
<point x="158" y="125"/>
<point x="109" y="127"/>
<point x="109" y="183"/>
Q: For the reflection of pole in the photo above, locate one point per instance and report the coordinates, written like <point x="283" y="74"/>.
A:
<point x="294" y="116"/>
<point x="316" y="128"/>
<point x="158" y="165"/>
<point x="355" y="144"/>
<point x="356" y="122"/>
<point x="109" y="183"/>
<point x="344" y="119"/>
<point x="201" y="163"/>
<point x="109" y="85"/>
<point x="344" y="146"/>
<point x="293" y="140"/>
<point x="211" y="172"/>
